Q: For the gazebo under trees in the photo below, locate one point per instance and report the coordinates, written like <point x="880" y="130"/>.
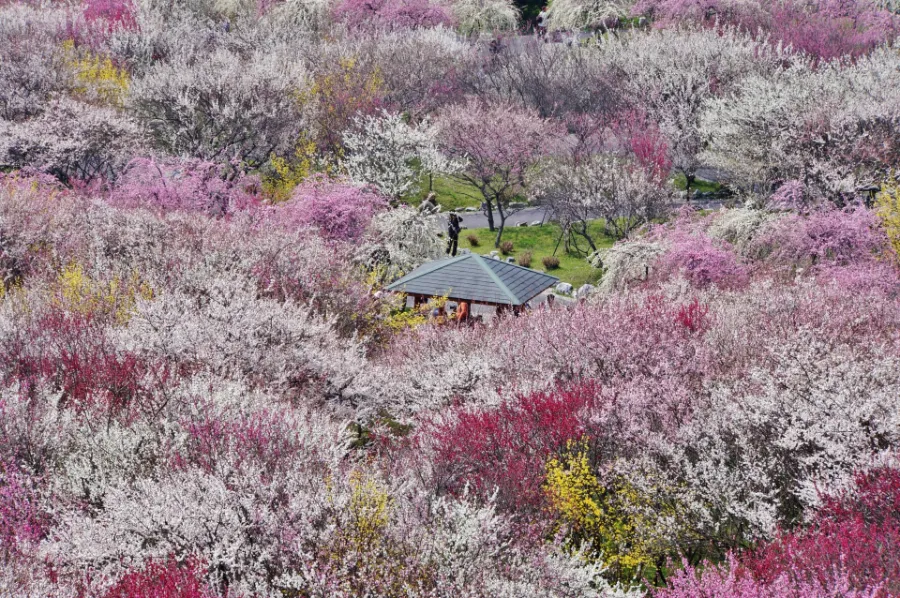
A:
<point x="475" y="279"/>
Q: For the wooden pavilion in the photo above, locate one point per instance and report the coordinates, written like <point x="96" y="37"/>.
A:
<point x="475" y="279"/>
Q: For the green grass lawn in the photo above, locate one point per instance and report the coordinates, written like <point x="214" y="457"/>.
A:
<point x="452" y="194"/>
<point x="540" y="241"/>
<point x="700" y="185"/>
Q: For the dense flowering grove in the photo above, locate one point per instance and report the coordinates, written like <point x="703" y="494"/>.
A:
<point x="205" y="393"/>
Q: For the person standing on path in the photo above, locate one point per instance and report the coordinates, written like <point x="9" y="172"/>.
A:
<point x="542" y="20"/>
<point x="453" y="229"/>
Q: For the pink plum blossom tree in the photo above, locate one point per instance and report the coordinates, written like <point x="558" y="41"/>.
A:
<point x="338" y="210"/>
<point x="825" y="30"/>
<point x="393" y="14"/>
<point x="498" y="143"/>
<point x="191" y="185"/>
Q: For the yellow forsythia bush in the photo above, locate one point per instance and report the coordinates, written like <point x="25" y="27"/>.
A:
<point x="597" y="513"/>
<point x="78" y="292"/>
<point x="287" y="173"/>
<point x="887" y="206"/>
<point x="369" y="509"/>
<point x="97" y="76"/>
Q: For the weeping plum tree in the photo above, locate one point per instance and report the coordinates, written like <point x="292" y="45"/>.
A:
<point x="498" y="142"/>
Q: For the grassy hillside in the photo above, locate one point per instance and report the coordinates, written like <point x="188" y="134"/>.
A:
<point x="541" y="241"/>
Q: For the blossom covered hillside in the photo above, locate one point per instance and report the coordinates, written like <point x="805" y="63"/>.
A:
<point x="206" y="390"/>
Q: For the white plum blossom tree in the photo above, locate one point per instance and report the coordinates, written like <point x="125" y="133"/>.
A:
<point x="387" y="152"/>
<point x="581" y="14"/>
<point x="670" y="74"/>
<point x="831" y="127"/>
<point x="72" y="140"/>
<point x="484" y="16"/>
<point x="221" y="106"/>
<point x="400" y="240"/>
<point x="214" y="316"/>
<point x="33" y="65"/>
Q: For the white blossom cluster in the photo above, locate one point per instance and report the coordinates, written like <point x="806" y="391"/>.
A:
<point x="805" y="123"/>
<point x="392" y="155"/>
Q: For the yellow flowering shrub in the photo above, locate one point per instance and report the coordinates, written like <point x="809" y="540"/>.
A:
<point x="340" y="94"/>
<point x="369" y="510"/>
<point x="97" y="77"/>
<point x="363" y="545"/>
<point x="409" y="319"/>
<point x="887" y="206"/>
<point x="406" y="319"/>
<point x="597" y="513"/>
<point x="287" y="173"/>
<point x="78" y="292"/>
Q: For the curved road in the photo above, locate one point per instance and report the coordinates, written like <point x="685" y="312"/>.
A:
<point x="479" y="220"/>
<point x="540" y="214"/>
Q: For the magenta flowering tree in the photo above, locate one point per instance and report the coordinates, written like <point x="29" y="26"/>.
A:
<point x="186" y="185"/>
<point x="642" y="138"/>
<point x="701" y="261"/>
<point x="822" y="239"/>
<point x="824" y="29"/>
<point x="393" y="14"/>
<point x="163" y="579"/>
<point x="831" y="28"/>
<point x="110" y="14"/>
<point x="505" y="450"/>
<point x="714" y="581"/>
<point x="498" y="142"/>
<point x="338" y="210"/>
<point x="22" y="520"/>
<point x="848" y="548"/>
<point x="856" y="531"/>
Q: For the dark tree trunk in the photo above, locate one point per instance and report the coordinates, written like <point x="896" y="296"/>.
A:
<point x="502" y="215"/>
<point x="489" y="212"/>
<point x="500" y="232"/>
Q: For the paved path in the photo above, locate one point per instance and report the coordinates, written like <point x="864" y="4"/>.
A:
<point x="479" y="220"/>
<point x="472" y="220"/>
